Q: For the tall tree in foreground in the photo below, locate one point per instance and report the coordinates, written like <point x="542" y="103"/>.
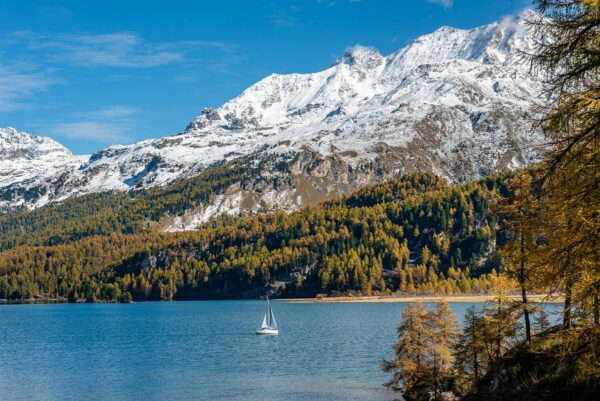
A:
<point x="470" y="351"/>
<point x="408" y="365"/>
<point x="569" y="52"/>
<point x="423" y="364"/>
<point x="563" y="365"/>
<point x="443" y="329"/>
<point x="520" y="211"/>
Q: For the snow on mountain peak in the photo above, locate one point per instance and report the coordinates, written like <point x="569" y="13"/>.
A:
<point x="363" y="57"/>
<point x="26" y="161"/>
<point x="20" y="145"/>
<point x="454" y="102"/>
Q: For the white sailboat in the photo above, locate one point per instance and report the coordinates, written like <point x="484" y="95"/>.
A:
<point x="268" y="325"/>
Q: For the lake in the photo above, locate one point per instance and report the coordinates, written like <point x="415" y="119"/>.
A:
<point x="196" y="351"/>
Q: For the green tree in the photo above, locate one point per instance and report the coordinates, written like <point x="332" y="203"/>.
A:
<point x="442" y="337"/>
<point x="520" y="211"/>
<point x="470" y="351"/>
<point x="408" y="365"/>
<point x="423" y="362"/>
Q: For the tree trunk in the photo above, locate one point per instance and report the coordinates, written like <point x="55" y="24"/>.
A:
<point x="522" y="279"/>
<point x="596" y="310"/>
<point x="436" y="375"/>
<point x="475" y="361"/>
<point x="568" y="300"/>
<point x="498" y="339"/>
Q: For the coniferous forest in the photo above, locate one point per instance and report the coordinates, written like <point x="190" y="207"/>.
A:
<point x="414" y="235"/>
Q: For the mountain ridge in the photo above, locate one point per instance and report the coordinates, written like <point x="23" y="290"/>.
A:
<point x="454" y="102"/>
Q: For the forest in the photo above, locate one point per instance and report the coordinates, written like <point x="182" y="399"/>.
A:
<point x="413" y="235"/>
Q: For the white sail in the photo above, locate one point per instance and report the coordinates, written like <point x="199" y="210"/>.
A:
<point x="264" y="324"/>
<point x="272" y="322"/>
<point x="268" y="325"/>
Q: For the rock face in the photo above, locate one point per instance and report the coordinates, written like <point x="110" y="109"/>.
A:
<point x="454" y="102"/>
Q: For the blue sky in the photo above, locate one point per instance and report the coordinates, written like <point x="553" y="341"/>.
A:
<point x="98" y="72"/>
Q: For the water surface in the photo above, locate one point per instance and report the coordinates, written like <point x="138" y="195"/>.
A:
<point x="196" y="351"/>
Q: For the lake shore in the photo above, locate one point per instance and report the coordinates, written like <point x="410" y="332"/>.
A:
<point x="537" y="298"/>
<point x="473" y="298"/>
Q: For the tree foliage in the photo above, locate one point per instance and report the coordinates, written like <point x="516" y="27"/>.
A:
<point x="422" y="366"/>
<point x="569" y="178"/>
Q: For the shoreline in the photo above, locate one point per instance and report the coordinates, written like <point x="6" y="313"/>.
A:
<point x="473" y="298"/>
<point x="537" y="298"/>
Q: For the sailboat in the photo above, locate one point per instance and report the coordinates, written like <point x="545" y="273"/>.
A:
<point x="268" y="325"/>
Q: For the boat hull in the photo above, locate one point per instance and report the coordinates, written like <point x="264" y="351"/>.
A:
<point x="267" y="332"/>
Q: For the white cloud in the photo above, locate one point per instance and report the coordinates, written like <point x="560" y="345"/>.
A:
<point x="509" y="23"/>
<point x="119" y="49"/>
<point x="443" y="3"/>
<point x="282" y="16"/>
<point x="328" y="3"/>
<point x="106" y="125"/>
<point x="33" y="62"/>
<point x="19" y="83"/>
<point x="95" y="131"/>
<point x="112" y="112"/>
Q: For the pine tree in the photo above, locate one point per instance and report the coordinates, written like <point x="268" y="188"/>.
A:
<point x="408" y="365"/>
<point x="470" y="350"/>
<point x="443" y="333"/>
<point x="541" y="321"/>
<point x="423" y="364"/>
<point x="520" y="211"/>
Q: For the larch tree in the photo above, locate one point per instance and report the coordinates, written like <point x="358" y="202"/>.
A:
<point x="443" y="333"/>
<point x="424" y="352"/>
<point x="500" y="320"/>
<point x="520" y="211"/>
<point x="542" y="322"/>
<point x="470" y="351"/>
<point x="408" y="364"/>
<point x="568" y="52"/>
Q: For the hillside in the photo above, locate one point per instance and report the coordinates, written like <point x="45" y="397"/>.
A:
<point x="416" y="234"/>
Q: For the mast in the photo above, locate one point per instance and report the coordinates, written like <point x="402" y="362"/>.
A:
<point x="268" y="312"/>
<point x="273" y="323"/>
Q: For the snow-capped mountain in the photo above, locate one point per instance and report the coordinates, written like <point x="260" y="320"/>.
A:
<point x="454" y="102"/>
<point x="26" y="161"/>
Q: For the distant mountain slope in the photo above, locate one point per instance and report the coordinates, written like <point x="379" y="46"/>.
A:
<point x="416" y="234"/>
<point x="454" y="102"/>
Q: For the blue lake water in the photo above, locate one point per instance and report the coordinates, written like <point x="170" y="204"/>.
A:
<point x="196" y="351"/>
